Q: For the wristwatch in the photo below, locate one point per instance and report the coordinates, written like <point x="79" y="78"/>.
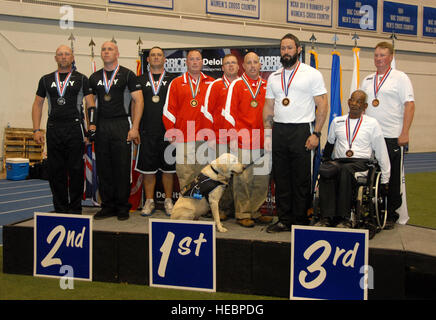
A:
<point x="317" y="133"/>
<point x="36" y="130"/>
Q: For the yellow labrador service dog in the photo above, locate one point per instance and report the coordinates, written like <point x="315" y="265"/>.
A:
<point x="206" y="190"/>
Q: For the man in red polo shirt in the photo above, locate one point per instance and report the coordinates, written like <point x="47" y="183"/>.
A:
<point x="183" y="118"/>
<point x="243" y="115"/>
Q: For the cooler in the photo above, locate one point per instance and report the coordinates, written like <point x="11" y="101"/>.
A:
<point x="17" y="168"/>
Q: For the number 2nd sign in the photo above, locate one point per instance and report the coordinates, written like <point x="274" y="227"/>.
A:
<point x="60" y="241"/>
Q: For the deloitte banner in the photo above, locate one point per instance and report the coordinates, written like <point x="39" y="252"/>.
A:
<point x="212" y="59"/>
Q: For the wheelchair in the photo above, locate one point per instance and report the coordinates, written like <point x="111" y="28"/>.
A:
<point x="369" y="207"/>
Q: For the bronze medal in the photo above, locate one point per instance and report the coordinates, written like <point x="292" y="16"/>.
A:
<point x="286" y="102"/>
<point x="194" y="103"/>
<point x="375" y="102"/>
<point x="155" y="99"/>
<point x="349" y="153"/>
<point x="254" y="103"/>
<point x="107" y="97"/>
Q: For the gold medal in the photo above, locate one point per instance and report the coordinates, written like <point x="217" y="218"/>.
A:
<point x="349" y="153"/>
<point x="286" y="102"/>
<point x="107" y="97"/>
<point x="375" y="102"/>
<point x="254" y="103"/>
<point x="194" y="103"/>
<point x="155" y="99"/>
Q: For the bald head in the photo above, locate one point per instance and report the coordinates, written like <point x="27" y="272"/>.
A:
<point x="109" y="54"/>
<point x="64" y="58"/>
<point x="252" y="65"/>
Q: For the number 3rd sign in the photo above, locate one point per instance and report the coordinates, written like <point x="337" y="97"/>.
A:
<point x="329" y="263"/>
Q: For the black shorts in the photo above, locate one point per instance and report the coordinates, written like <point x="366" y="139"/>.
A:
<point x="151" y="155"/>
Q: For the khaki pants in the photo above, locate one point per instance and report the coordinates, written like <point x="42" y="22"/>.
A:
<point x="251" y="187"/>
<point x="191" y="158"/>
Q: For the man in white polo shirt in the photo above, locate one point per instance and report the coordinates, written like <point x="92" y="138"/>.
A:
<point x="296" y="97"/>
<point x="391" y="102"/>
<point x="351" y="142"/>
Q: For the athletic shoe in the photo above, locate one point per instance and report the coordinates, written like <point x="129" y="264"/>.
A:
<point x="168" y="204"/>
<point x="148" y="208"/>
<point x="104" y="213"/>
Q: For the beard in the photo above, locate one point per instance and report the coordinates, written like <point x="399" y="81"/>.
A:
<point x="288" y="61"/>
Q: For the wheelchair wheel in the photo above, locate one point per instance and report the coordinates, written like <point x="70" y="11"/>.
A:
<point x="356" y="218"/>
<point x="380" y="203"/>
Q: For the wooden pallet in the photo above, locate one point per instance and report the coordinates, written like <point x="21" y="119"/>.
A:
<point x="19" y="143"/>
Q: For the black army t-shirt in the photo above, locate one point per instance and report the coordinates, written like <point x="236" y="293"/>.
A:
<point x="151" y="121"/>
<point x="118" y="105"/>
<point x="75" y="90"/>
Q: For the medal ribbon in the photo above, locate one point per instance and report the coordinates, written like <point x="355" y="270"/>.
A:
<point x="107" y="86"/>
<point x="61" y="88"/>
<point x="154" y="88"/>
<point x="226" y="82"/>
<point x="259" y="84"/>
<point x="285" y="87"/>
<point x="356" y="129"/>
<point x="377" y="85"/>
<point x="194" y="92"/>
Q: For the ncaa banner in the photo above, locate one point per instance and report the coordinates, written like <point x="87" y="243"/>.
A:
<point x="235" y="8"/>
<point x="329" y="263"/>
<point x="161" y="4"/>
<point x="62" y="246"/>
<point x="314" y="12"/>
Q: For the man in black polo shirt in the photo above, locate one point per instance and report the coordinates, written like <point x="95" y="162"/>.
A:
<point x="114" y="125"/>
<point x="65" y="90"/>
<point x="151" y="155"/>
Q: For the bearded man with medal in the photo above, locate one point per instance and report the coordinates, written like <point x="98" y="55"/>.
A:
<point x="294" y="114"/>
<point x="150" y="157"/>
<point x="65" y="90"/>
<point x="183" y="118"/>
<point x="114" y="126"/>
<point x="243" y="114"/>
<point x="351" y="142"/>
<point x="391" y="102"/>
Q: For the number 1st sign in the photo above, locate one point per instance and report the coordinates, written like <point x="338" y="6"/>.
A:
<point x="182" y="254"/>
<point x="329" y="263"/>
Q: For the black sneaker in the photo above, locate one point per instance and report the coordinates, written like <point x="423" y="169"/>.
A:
<point x="277" y="227"/>
<point x="123" y="216"/>
<point x="103" y="214"/>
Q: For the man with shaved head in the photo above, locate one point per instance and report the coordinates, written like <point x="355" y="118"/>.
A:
<point x="65" y="90"/>
<point x="243" y="115"/>
<point x="114" y="125"/>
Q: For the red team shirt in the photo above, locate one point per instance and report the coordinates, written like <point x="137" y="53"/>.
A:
<point x="215" y="102"/>
<point x="240" y="115"/>
<point x="178" y="111"/>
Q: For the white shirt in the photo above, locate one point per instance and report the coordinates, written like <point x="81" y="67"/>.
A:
<point x="307" y="83"/>
<point x="393" y="94"/>
<point x="369" y="138"/>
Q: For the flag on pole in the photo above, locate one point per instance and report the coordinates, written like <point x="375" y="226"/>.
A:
<point x="136" y="177"/>
<point x="335" y="87"/>
<point x="355" y="78"/>
<point x="91" y="181"/>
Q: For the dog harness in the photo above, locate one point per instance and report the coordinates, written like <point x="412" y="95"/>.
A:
<point x="200" y="187"/>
